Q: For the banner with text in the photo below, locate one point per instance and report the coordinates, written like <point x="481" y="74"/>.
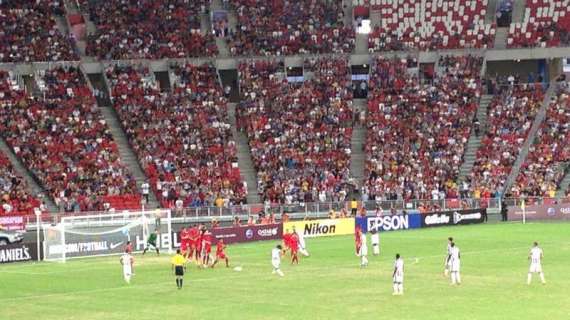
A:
<point x="390" y="223"/>
<point x="541" y="212"/>
<point x="12" y="222"/>
<point x="322" y="227"/>
<point x="450" y="218"/>
<point x="19" y="252"/>
<point x="248" y="233"/>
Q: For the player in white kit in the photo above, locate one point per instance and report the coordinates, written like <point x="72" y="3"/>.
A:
<point x="302" y="244"/>
<point x="127" y="262"/>
<point x="276" y="260"/>
<point x="447" y="257"/>
<point x="375" y="240"/>
<point x="455" y="264"/>
<point x="398" y="276"/>
<point x="363" y="253"/>
<point x="535" y="256"/>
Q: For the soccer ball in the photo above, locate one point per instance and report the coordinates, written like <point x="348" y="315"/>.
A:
<point x="238" y="269"/>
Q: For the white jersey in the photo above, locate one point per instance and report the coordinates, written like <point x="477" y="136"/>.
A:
<point x="275" y="258"/>
<point x="536" y="255"/>
<point x="454" y="260"/>
<point x="363" y="245"/>
<point x="126" y="260"/>
<point x="399" y="268"/>
<point x="535" y="260"/>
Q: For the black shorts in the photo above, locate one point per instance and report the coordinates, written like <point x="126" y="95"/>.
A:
<point x="179" y="270"/>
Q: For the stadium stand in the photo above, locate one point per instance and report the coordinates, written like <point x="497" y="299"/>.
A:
<point x="63" y="139"/>
<point x="299" y="133"/>
<point x="182" y="138"/>
<point x="511" y="114"/>
<point x="548" y="157"/>
<point x="290" y="27"/>
<point x="546" y="23"/>
<point x="28" y="32"/>
<point x="417" y="134"/>
<point x="148" y="29"/>
<point x="430" y="25"/>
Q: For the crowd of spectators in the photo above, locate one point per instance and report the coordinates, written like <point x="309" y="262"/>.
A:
<point x="546" y="23"/>
<point x="28" y="32"/>
<point x="417" y="133"/>
<point x="64" y="141"/>
<point x="510" y="117"/>
<point x="182" y="138"/>
<point x="15" y="196"/>
<point x="549" y="156"/>
<point x="284" y="27"/>
<point x="149" y="29"/>
<point x="431" y="25"/>
<point x="299" y="133"/>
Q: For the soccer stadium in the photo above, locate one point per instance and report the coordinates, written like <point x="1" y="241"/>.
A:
<point x="284" y="159"/>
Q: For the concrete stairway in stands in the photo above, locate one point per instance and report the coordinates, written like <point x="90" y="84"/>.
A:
<point x="501" y="38"/>
<point x="490" y="16"/>
<point x="474" y="141"/>
<point x="541" y="114"/>
<point x="519" y="8"/>
<point x="125" y="151"/>
<point x="37" y="190"/>
<point x="361" y="46"/>
<point x="245" y="163"/>
<point x="563" y="186"/>
<point x="357" y="156"/>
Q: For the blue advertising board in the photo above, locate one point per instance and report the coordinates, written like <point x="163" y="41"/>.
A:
<point x="390" y="222"/>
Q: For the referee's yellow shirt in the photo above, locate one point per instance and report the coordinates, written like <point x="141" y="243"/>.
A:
<point x="178" y="260"/>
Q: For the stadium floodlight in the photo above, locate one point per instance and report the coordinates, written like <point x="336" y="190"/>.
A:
<point x="105" y="234"/>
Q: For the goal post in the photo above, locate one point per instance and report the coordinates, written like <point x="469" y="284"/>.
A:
<point x="105" y="234"/>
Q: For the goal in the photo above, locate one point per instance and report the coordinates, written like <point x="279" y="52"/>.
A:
<point x="105" y="234"/>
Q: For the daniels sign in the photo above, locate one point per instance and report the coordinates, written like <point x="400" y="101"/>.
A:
<point x="18" y="252"/>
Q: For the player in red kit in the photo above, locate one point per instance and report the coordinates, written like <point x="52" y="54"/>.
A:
<point x="206" y="247"/>
<point x="193" y="238"/>
<point x="286" y="240"/>
<point x="185" y="242"/>
<point x="294" y="246"/>
<point x="357" y="238"/>
<point x="220" y="254"/>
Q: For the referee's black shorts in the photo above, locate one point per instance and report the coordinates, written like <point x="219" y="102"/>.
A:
<point x="179" y="270"/>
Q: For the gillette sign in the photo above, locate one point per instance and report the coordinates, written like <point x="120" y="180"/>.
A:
<point x="435" y="219"/>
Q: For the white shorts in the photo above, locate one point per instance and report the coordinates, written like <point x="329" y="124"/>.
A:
<point x="398" y="278"/>
<point x="275" y="264"/>
<point x="535" y="268"/>
<point x="455" y="266"/>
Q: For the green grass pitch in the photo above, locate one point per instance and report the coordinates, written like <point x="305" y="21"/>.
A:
<point x="327" y="285"/>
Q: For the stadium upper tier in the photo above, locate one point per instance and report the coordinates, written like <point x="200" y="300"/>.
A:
<point x="48" y="30"/>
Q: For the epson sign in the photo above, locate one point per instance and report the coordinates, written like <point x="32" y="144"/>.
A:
<point x="388" y="223"/>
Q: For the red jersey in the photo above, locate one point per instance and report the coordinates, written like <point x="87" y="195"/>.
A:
<point x="294" y="242"/>
<point x="193" y="236"/>
<point x="184" y="239"/>
<point x="129" y="248"/>
<point x="207" y="241"/>
<point x="220" y="247"/>
<point x="287" y="240"/>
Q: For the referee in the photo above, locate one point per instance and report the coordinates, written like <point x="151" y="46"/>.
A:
<point x="178" y="267"/>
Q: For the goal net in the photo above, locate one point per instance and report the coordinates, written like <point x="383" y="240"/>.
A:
<point x="105" y="234"/>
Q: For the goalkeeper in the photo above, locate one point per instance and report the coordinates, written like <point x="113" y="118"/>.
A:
<point x="151" y="242"/>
